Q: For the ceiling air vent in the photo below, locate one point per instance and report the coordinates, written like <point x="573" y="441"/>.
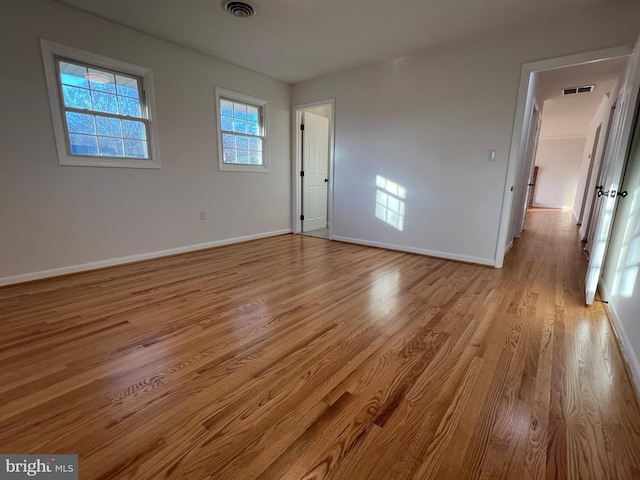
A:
<point x="240" y="9"/>
<point x="574" y="90"/>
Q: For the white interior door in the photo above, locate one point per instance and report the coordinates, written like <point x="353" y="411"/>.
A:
<point x="315" y="165"/>
<point x="613" y="170"/>
<point x="530" y="161"/>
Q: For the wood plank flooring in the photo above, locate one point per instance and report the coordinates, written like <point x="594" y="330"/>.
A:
<point x="299" y="358"/>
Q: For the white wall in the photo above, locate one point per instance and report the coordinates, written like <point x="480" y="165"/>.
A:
<point x="558" y="162"/>
<point x="620" y="280"/>
<point x="54" y="216"/>
<point x="427" y="120"/>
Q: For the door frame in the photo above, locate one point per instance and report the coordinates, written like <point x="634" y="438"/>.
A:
<point x="296" y="136"/>
<point x="530" y="153"/>
<point x="515" y="151"/>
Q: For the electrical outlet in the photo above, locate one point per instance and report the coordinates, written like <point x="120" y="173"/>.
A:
<point x="203" y="215"/>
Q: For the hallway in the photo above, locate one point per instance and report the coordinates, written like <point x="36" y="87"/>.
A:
<point x="295" y="357"/>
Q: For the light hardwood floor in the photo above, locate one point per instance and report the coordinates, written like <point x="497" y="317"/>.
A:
<point x="298" y="358"/>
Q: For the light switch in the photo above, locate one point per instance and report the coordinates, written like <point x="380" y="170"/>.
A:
<point x="491" y="156"/>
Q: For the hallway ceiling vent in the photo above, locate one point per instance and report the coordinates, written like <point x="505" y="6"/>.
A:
<point x="240" y="9"/>
<point x="574" y="90"/>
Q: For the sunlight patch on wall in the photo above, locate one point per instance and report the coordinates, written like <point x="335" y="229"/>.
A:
<point x="629" y="277"/>
<point x="626" y="275"/>
<point x="390" y="202"/>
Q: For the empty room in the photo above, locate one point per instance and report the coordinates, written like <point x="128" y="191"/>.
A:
<point x="278" y="239"/>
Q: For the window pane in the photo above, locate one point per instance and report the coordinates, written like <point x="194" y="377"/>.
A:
<point x="74" y="75"/>
<point x="104" y="102"/>
<point x="129" y="106"/>
<point x="76" y="97"/>
<point x="243" y="156"/>
<point x="127" y="86"/>
<point x="101" y="81"/>
<point x="227" y="123"/>
<point x="240" y="126"/>
<point x="133" y="129"/>
<point x="135" y="148"/>
<point x="253" y="113"/>
<point x="108" y="126"/>
<point x="240" y="111"/>
<point x="80" y="123"/>
<point x="255" y="158"/>
<point x="229" y="155"/>
<point x="83" y="144"/>
<point x="242" y="142"/>
<point x="110" y="147"/>
<point x="255" y="144"/>
<point x="226" y="108"/>
<point x="228" y="141"/>
<point x="253" y="128"/>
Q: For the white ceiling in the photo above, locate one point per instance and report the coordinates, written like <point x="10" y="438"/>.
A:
<point x="296" y="40"/>
<point x="570" y="116"/>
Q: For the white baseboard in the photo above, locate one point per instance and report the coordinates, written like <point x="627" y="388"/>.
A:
<point x="628" y="353"/>
<point x="509" y="247"/>
<point x="55" y="272"/>
<point x="431" y="253"/>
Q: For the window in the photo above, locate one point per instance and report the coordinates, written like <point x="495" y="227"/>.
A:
<point x="101" y="109"/>
<point x="241" y="132"/>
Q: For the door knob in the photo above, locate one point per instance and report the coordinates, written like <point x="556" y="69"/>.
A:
<point x="602" y="193"/>
<point x="326" y="180"/>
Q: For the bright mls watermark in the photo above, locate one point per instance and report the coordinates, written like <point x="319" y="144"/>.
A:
<point x="51" y="467"/>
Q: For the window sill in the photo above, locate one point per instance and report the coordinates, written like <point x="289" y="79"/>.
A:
<point x="233" y="167"/>
<point x="109" y="162"/>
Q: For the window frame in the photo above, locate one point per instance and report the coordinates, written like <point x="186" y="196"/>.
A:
<point x="52" y="52"/>
<point x="261" y="104"/>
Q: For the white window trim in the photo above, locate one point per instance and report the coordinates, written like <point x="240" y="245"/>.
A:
<point x="49" y="51"/>
<point x="255" y="101"/>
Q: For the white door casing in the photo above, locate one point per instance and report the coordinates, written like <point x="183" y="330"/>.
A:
<point x="315" y="158"/>
<point x="613" y="171"/>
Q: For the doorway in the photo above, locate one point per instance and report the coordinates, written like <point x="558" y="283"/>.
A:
<point x="313" y="169"/>
<point x="614" y="161"/>
<point x="541" y="83"/>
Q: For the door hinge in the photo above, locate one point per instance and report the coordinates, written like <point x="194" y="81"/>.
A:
<point x="302" y="126"/>
<point x="302" y="173"/>
<point x="301" y="217"/>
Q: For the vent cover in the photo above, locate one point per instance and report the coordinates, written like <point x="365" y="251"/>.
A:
<point x="574" y="90"/>
<point x="239" y="9"/>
